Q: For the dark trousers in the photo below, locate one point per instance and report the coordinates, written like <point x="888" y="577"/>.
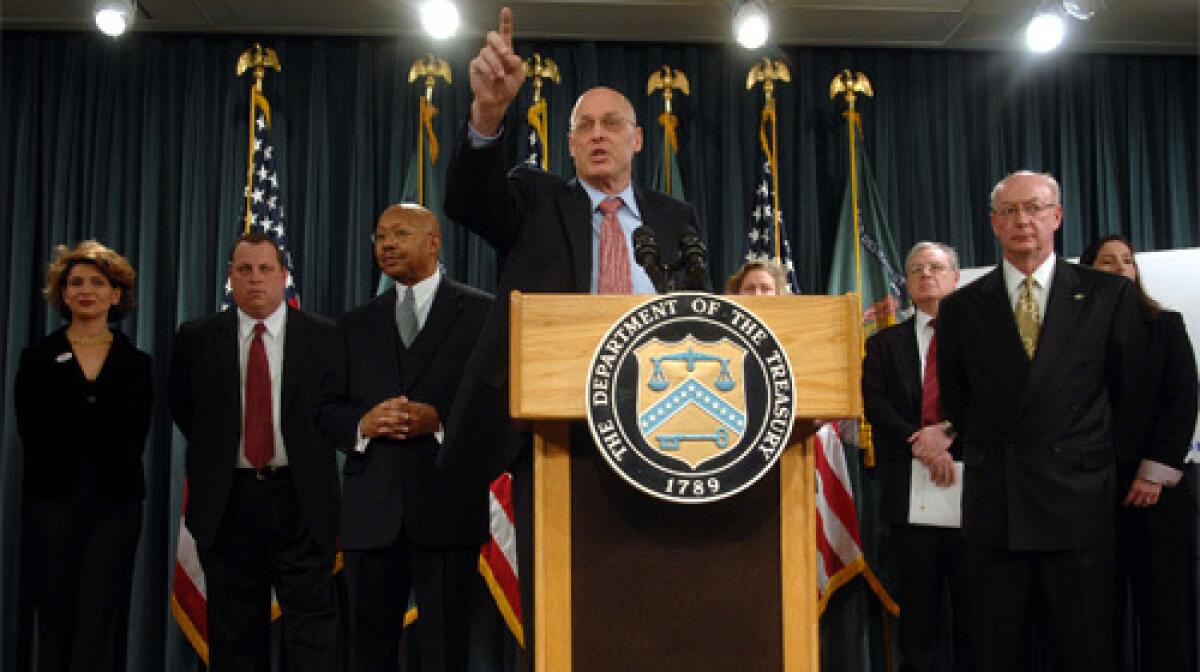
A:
<point x="79" y="558"/>
<point x="264" y="542"/>
<point x="1155" y="584"/>
<point x="445" y="583"/>
<point x="931" y="565"/>
<point x="1069" y="591"/>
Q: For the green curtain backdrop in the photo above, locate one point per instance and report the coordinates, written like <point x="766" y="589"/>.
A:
<point x="140" y="142"/>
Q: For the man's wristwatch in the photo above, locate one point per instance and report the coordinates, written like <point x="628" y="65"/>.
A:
<point x="948" y="428"/>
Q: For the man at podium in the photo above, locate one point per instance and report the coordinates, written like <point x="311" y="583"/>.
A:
<point x="553" y="235"/>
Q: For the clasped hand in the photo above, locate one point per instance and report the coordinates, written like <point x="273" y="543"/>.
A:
<point x="399" y="418"/>
<point x="931" y="445"/>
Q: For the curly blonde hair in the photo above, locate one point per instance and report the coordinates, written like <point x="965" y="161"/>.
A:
<point x="770" y="266"/>
<point x="111" y="265"/>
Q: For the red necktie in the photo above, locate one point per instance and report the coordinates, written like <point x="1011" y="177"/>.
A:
<point x="615" y="275"/>
<point x="258" y="431"/>
<point x="930" y="394"/>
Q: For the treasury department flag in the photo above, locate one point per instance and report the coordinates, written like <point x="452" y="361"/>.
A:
<point x="667" y="177"/>
<point x="864" y="252"/>
<point x="839" y="537"/>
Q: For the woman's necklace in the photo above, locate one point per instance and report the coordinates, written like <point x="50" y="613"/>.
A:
<point x="101" y="339"/>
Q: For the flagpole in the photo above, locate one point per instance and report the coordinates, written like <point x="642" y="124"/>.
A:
<point x="850" y="85"/>
<point x="258" y="60"/>
<point x="431" y="68"/>
<point x="768" y="72"/>
<point x="668" y="79"/>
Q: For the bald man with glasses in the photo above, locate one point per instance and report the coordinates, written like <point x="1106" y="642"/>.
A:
<point x="1036" y="362"/>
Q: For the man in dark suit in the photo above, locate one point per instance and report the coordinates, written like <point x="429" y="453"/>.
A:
<point x="263" y="486"/>
<point x="551" y="233"/>
<point x="400" y="358"/>
<point x="900" y="397"/>
<point x="1036" y="362"/>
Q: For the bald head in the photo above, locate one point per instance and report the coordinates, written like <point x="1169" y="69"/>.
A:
<point x="605" y="95"/>
<point x="407" y="242"/>
<point x="603" y="139"/>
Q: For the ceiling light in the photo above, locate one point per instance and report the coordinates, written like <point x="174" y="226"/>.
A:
<point x="440" y="18"/>
<point x="750" y="24"/>
<point x="1081" y="9"/>
<point x="114" y="17"/>
<point x="1045" y="31"/>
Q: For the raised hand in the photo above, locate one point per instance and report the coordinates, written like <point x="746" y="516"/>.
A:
<point x="496" y="76"/>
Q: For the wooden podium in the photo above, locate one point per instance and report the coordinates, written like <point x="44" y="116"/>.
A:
<point x="624" y="581"/>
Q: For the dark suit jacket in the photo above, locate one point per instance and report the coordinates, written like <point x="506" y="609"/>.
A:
<point x="205" y="396"/>
<point x="69" y="425"/>
<point x="891" y="385"/>
<point x="541" y="228"/>
<point x="396" y="482"/>
<point x="1040" y="438"/>
<point x="1171" y="391"/>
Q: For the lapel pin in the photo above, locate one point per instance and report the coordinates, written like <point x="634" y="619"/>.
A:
<point x="1079" y="296"/>
<point x="64" y="357"/>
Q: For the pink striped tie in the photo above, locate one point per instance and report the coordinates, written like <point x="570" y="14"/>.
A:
<point x="615" y="277"/>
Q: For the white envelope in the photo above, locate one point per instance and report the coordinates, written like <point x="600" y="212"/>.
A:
<point x="932" y="504"/>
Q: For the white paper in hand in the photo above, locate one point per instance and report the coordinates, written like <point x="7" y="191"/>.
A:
<point x="932" y="504"/>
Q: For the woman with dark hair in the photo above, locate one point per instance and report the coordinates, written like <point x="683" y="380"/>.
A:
<point x="1155" y="520"/>
<point x="83" y="397"/>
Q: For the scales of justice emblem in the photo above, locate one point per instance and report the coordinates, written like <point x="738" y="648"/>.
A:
<point x="691" y="399"/>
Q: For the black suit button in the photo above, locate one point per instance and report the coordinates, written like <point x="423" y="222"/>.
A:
<point x="91" y="399"/>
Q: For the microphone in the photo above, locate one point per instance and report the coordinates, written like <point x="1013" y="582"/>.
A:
<point x="649" y="257"/>
<point x="693" y="259"/>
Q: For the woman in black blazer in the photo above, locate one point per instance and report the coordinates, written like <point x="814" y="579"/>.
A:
<point x="83" y="397"/>
<point x="1155" y="517"/>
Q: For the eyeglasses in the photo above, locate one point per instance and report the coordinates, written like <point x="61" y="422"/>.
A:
<point x="609" y="122"/>
<point x="932" y="267"/>
<point x="1031" y="209"/>
<point x="397" y="236"/>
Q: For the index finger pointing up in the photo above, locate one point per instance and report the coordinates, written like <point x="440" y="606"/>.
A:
<point x="506" y="26"/>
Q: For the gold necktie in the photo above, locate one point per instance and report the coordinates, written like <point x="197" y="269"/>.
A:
<point x="1028" y="321"/>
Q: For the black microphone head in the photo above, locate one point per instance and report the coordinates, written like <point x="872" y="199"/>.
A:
<point x="645" y="247"/>
<point x="694" y="259"/>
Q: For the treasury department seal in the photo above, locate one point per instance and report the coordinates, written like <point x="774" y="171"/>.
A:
<point x="690" y="398"/>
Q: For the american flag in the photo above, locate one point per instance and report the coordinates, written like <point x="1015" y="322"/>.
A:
<point x="264" y="200"/>
<point x="533" y="157"/>
<point x="761" y="233"/>
<point x="839" y="542"/>
<point x="498" y="556"/>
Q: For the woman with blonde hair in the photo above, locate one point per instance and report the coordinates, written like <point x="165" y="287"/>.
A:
<point x="83" y="396"/>
<point x="759" y="276"/>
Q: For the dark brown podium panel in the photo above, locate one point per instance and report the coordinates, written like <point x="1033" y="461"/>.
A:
<point x="624" y="581"/>
<point x="663" y="586"/>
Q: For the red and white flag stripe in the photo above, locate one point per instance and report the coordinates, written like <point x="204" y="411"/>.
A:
<point x="498" y="557"/>
<point x="839" y="543"/>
